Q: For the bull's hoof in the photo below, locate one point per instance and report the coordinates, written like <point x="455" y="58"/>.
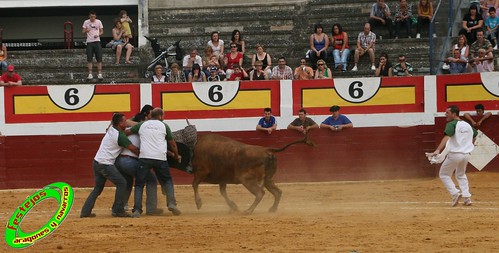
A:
<point x="248" y="212"/>
<point x="273" y="209"/>
<point x="198" y="203"/>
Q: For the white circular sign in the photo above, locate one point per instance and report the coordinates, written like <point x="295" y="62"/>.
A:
<point x="490" y="81"/>
<point x="216" y="93"/>
<point x="71" y="97"/>
<point x="357" y="90"/>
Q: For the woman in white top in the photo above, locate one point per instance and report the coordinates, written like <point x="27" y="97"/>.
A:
<point x="462" y="45"/>
<point x="158" y="76"/>
<point x="217" y="45"/>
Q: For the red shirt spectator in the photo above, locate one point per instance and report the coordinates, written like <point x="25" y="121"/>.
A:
<point x="10" y="78"/>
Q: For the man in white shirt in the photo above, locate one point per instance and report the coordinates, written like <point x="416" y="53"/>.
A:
<point x="111" y="146"/>
<point x="459" y="135"/>
<point x="155" y="136"/>
<point x="191" y="59"/>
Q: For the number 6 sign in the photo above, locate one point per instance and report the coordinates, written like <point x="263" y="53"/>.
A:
<point x="71" y="97"/>
<point x="216" y="93"/>
<point x="357" y="90"/>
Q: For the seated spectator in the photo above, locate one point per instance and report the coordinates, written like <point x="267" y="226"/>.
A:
<point x="119" y="42"/>
<point x="213" y="63"/>
<point x="323" y="72"/>
<point x="191" y="59"/>
<point x="303" y="123"/>
<point x="403" y="68"/>
<point x="267" y="123"/>
<point x="472" y="22"/>
<point x="237" y="38"/>
<point x="232" y="58"/>
<point x="480" y="42"/>
<point x="207" y="54"/>
<point x="365" y="43"/>
<point x="303" y="72"/>
<point x="384" y="66"/>
<point x="319" y="43"/>
<point x="463" y="46"/>
<point x="3" y="58"/>
<point x="341" y="51"/>
<point x="483" y="62"/>
<point x="176" y="75"/>
<point x="425" y="15"/>
<point x="158" y="76"/>
<point x="380" y="16"/>
<point x="258" y="73"/>
<point x="214" y="77"/>
<point x="403" y="17"/>
<point x="492" y="25"/>
<point x="10" y="78"/>
<point x="457" y="63"/>
<point x="196" y="74"/>
<point x="337" y="121"/>
<point x="264" y="58"/>
<point x="485" y="6"/>
<point x="282" y="71"/>
<point x="217" y="45"/>
<point x="480" y="116"/>
<point x="238" y="73"/>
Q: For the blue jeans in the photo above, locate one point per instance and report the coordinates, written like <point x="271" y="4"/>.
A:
<point x="162" y="172"/>
<point x="4" y="65"/>
<point x="128" y="167"/>
<point x="102" y="172"/>
<point x="341" y="59"/>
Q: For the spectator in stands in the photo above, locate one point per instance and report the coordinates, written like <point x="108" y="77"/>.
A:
<point x="10" y="78"/>
<point x="232" y="58"/>
<point x="158" y="76"/>
<point x="264" y="58"/>
<point x="403" y="17"/>
<point x="492" y="25"/>
<point x="485" y="6"/>
<point x="238" y="73"/>
<point x="384" y="66"/>
<point x="323" y="72"/>
<point x="126" y="22"/>
<point x="480" y="42"/>
<point x="463" y="46"/>
<point x="336" y="122"/>
<point x="213" y="77"/>
<point x="403" y="68"/>
<point x="480" y="116"/>
<point x="380" y="16"/>
<point x="217" y="45"/>
<point x="207" y="54"/>
<point x="472" y="22"/>
<point x="93" y="28"/>
<point x="191" y="59"/>
<point x="282" y="71"/>
<point x="319" y="43"/>
<point x="425" y="14"/>
<point x="484" y="62"/>
<point x="196" y="74"/>
<point x="258" y="73"/>
<point x="119" y="43"/>
<point x="267" y="123"/>
<point x="213" y="63"/>
<point x="303" y="72"/>
<point x="3" y="58"/>
<point x="237" y="38"/>
<point x="176" y="76"/>
<point x="457" y="63"/>
<point x="365" y="43"/>
<point x="341" y="51"/>
<point x="303" y="123"/>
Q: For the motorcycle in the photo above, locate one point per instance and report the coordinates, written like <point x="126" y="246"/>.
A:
<point x="162" y="56"/>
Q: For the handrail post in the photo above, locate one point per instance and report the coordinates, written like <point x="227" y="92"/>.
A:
<point x="68" y="34"/>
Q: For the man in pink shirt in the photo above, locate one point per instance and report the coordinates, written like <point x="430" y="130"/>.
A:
<point x="93" y="28"/>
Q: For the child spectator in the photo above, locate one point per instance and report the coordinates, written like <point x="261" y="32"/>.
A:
<point x="125" y="24"/>
<point x="213" y="77"/>
<point x="492" y="25"/>
<point x="238" y="73"/>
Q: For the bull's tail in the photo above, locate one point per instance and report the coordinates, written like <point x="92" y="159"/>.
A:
<point x="305" y="140"/>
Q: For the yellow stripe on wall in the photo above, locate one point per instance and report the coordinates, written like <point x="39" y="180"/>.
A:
<point x="385" y="96"/>
<point x="189" y="102"/>
<point x="100" y="103"/>
<point x="463" y="93"/>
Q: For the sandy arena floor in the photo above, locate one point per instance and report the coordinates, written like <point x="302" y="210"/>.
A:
<point x="380" y="216"/>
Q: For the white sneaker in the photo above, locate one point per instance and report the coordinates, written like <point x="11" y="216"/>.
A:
<point x="373" y="67"/>
<point x="90" y="77"/>
<point x="99" y="76"/>
<point x="455" y="198"/>
<point x="434" y="35"/>
<point x="467" y="202"/>
<point x="495" y="48"/>
<point x="418" y="36"/>
<point x="354" y="68"/>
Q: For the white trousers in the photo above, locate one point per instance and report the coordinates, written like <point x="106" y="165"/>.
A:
<point x="455" y="162"/>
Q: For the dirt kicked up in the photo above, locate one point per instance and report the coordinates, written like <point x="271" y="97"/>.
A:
<point x="373" y="216"/>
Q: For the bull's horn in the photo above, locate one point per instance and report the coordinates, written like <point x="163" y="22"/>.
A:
<point x="188" y="122"/>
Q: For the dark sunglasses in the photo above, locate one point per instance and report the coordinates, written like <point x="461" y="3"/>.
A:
<point x="320" y="64"/>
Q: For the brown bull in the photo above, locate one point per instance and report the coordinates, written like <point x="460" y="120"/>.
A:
<point x="222" y="160"/>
